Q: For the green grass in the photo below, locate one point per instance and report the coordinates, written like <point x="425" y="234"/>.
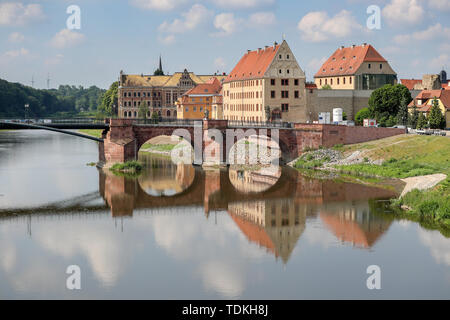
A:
<point x="127" y="166"/>
<point x="90" y="132"/>
<point x="409" y="156"/>
<point x="158" y="147"/>
<point x="392" y="168"/>
<point x="432" y="206"/>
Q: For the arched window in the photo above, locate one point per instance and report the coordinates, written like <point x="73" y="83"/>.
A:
<point x="168" y="113"/>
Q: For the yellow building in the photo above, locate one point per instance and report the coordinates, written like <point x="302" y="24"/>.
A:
<point x="424" y="102"/>
<point x="194" y="103"/>
<point x="265" y="78"/>
<point x="355" y="68"/>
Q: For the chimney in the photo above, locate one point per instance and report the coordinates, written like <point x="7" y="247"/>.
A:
<point x="342" y="47"/>
<point x="364" y="44"/>
<point x="353" y="46"/>
<point x="259" y="50"/>
<point x="265" y="47"/>
<point x="248" y="51"/>
<point x="275" y="44"/>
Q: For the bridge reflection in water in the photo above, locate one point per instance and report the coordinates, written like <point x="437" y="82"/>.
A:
<point x="270" y="207"/>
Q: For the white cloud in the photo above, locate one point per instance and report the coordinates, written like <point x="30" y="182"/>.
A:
<point x="242" y="4"/>
<point x="16" y="37"/>
<point x="440" y="61"/>
<point x="220" y="63"/>
<point x="226" y="23"/>
<point x="67" y="38"/>
<point x="160" y="5"/>
<point x="16" y="53"/>
<point x="435" y="31"/>
<point x="403" y="12"/>
<point x="262" y="19"/>
<point x="317" y="26"/>
<point x="191" y="19"/>
<point x="440" y="4"/>
<point x="54" y="60"/>
<point x="14" y="14"/>
<point x="167" y="40"/>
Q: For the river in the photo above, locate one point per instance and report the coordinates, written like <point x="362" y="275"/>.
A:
<point x="181" y="232"/>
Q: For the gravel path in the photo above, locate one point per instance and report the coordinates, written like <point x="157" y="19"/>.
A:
<point x="422" y="182"/>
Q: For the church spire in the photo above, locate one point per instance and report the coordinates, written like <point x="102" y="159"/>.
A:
<point x="159" y="71"/>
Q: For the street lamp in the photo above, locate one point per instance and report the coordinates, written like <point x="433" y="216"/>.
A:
<point x="27" y="106"/>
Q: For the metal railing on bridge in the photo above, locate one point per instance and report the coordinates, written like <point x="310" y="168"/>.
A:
<point x="260" y="124"/>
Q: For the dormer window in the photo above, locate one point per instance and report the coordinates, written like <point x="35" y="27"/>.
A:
<point x="343" y="58"/>
<point x="334" y="59"/>
<point x="287" y="57"/>
<point x="354" y="57"/>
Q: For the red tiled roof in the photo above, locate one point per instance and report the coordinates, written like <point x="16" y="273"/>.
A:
<point x="443" y="95"/>
<point x="212" y="86"/>
<point x="410" y="83"/>
<point x="310" y="86"/>
<point x="346" y="61"/>
<point x="253" y="64"/>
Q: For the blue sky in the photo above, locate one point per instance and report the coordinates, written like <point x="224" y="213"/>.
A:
<point x="206" y="36"/>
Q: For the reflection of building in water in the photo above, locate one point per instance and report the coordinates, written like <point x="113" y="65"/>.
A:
<point x="354" y="223"/>
<point x="254" y="181"/>
<point x="166" y="178"/>
<point x="274" y="224"/>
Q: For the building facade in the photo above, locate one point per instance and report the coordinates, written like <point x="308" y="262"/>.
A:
<point x="196" y="101"/>
<point x="158" y="94"/>
<point x="355" y="68"/>
<point x="424" y="102"/>
<point x="266" y="84"/>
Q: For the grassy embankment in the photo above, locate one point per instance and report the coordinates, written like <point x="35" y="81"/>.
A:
<point x="90" y="132"/>
<point x="129" y="169"/>
<point x="408" y="156"/>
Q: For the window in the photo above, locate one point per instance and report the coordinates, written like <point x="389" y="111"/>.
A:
<point x="343" y="79"/>
<point x="280" y="56"/>
<point x="284" y="107"/>
<point x="139" y="94"/>
<point x="272" y="94"/>
<point x="134" y="94"/>
<point x="284" y="94"/>
<point x="272" y="82"/>
<point x="187" y="109"/>
<point x="287" y="71"/>
<point x="331" y="81"/>
<point x="381" y="66"/>
<point x="296" y="94"/>
<point x="284" y="82"/>
<point x="195" y="109"/>
<point x="320" y="81"/>
<point x="370" y="66"/>
<point x="287" y="57"/>
<point x="279" y="71"/>
<point x="350" y="79"/>
<point x="296" y="82"/>
<point x="124" y="94"/>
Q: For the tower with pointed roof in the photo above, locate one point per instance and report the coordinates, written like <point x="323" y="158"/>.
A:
<point x="355" y="68"/>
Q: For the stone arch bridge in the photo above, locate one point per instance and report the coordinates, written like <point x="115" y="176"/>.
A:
<point x="124" y="137"/>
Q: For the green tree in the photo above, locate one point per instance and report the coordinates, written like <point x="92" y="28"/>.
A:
<point x="362" y="114"/>
<point x="436" y="118"/>
<point x="155" y="116"/>
<point x="384" y="102"/>
<point x="403" y="114"/>
<point x="109" y="100"/>
<point x="326" y="87"/>
<point x="142" y="113"/>
<point x="422" y="122"/>
<point x="414" y="117"/>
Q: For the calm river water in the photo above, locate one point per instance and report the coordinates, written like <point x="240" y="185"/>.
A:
<point x="179" y="232"/>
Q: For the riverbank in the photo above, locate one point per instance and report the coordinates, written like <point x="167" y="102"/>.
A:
<point x="91" y="132"/>
<point x="421" y="163"/>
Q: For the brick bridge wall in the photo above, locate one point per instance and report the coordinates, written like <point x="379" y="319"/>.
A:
<point x="123" y="140"/>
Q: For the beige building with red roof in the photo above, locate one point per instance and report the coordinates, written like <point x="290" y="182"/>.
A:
<point x="355" y="68"/>
<point x="268" y="78"/>
<point x="424" y="102"/>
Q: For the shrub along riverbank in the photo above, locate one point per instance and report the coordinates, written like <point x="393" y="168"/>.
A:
<point x="397" y="157"/>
